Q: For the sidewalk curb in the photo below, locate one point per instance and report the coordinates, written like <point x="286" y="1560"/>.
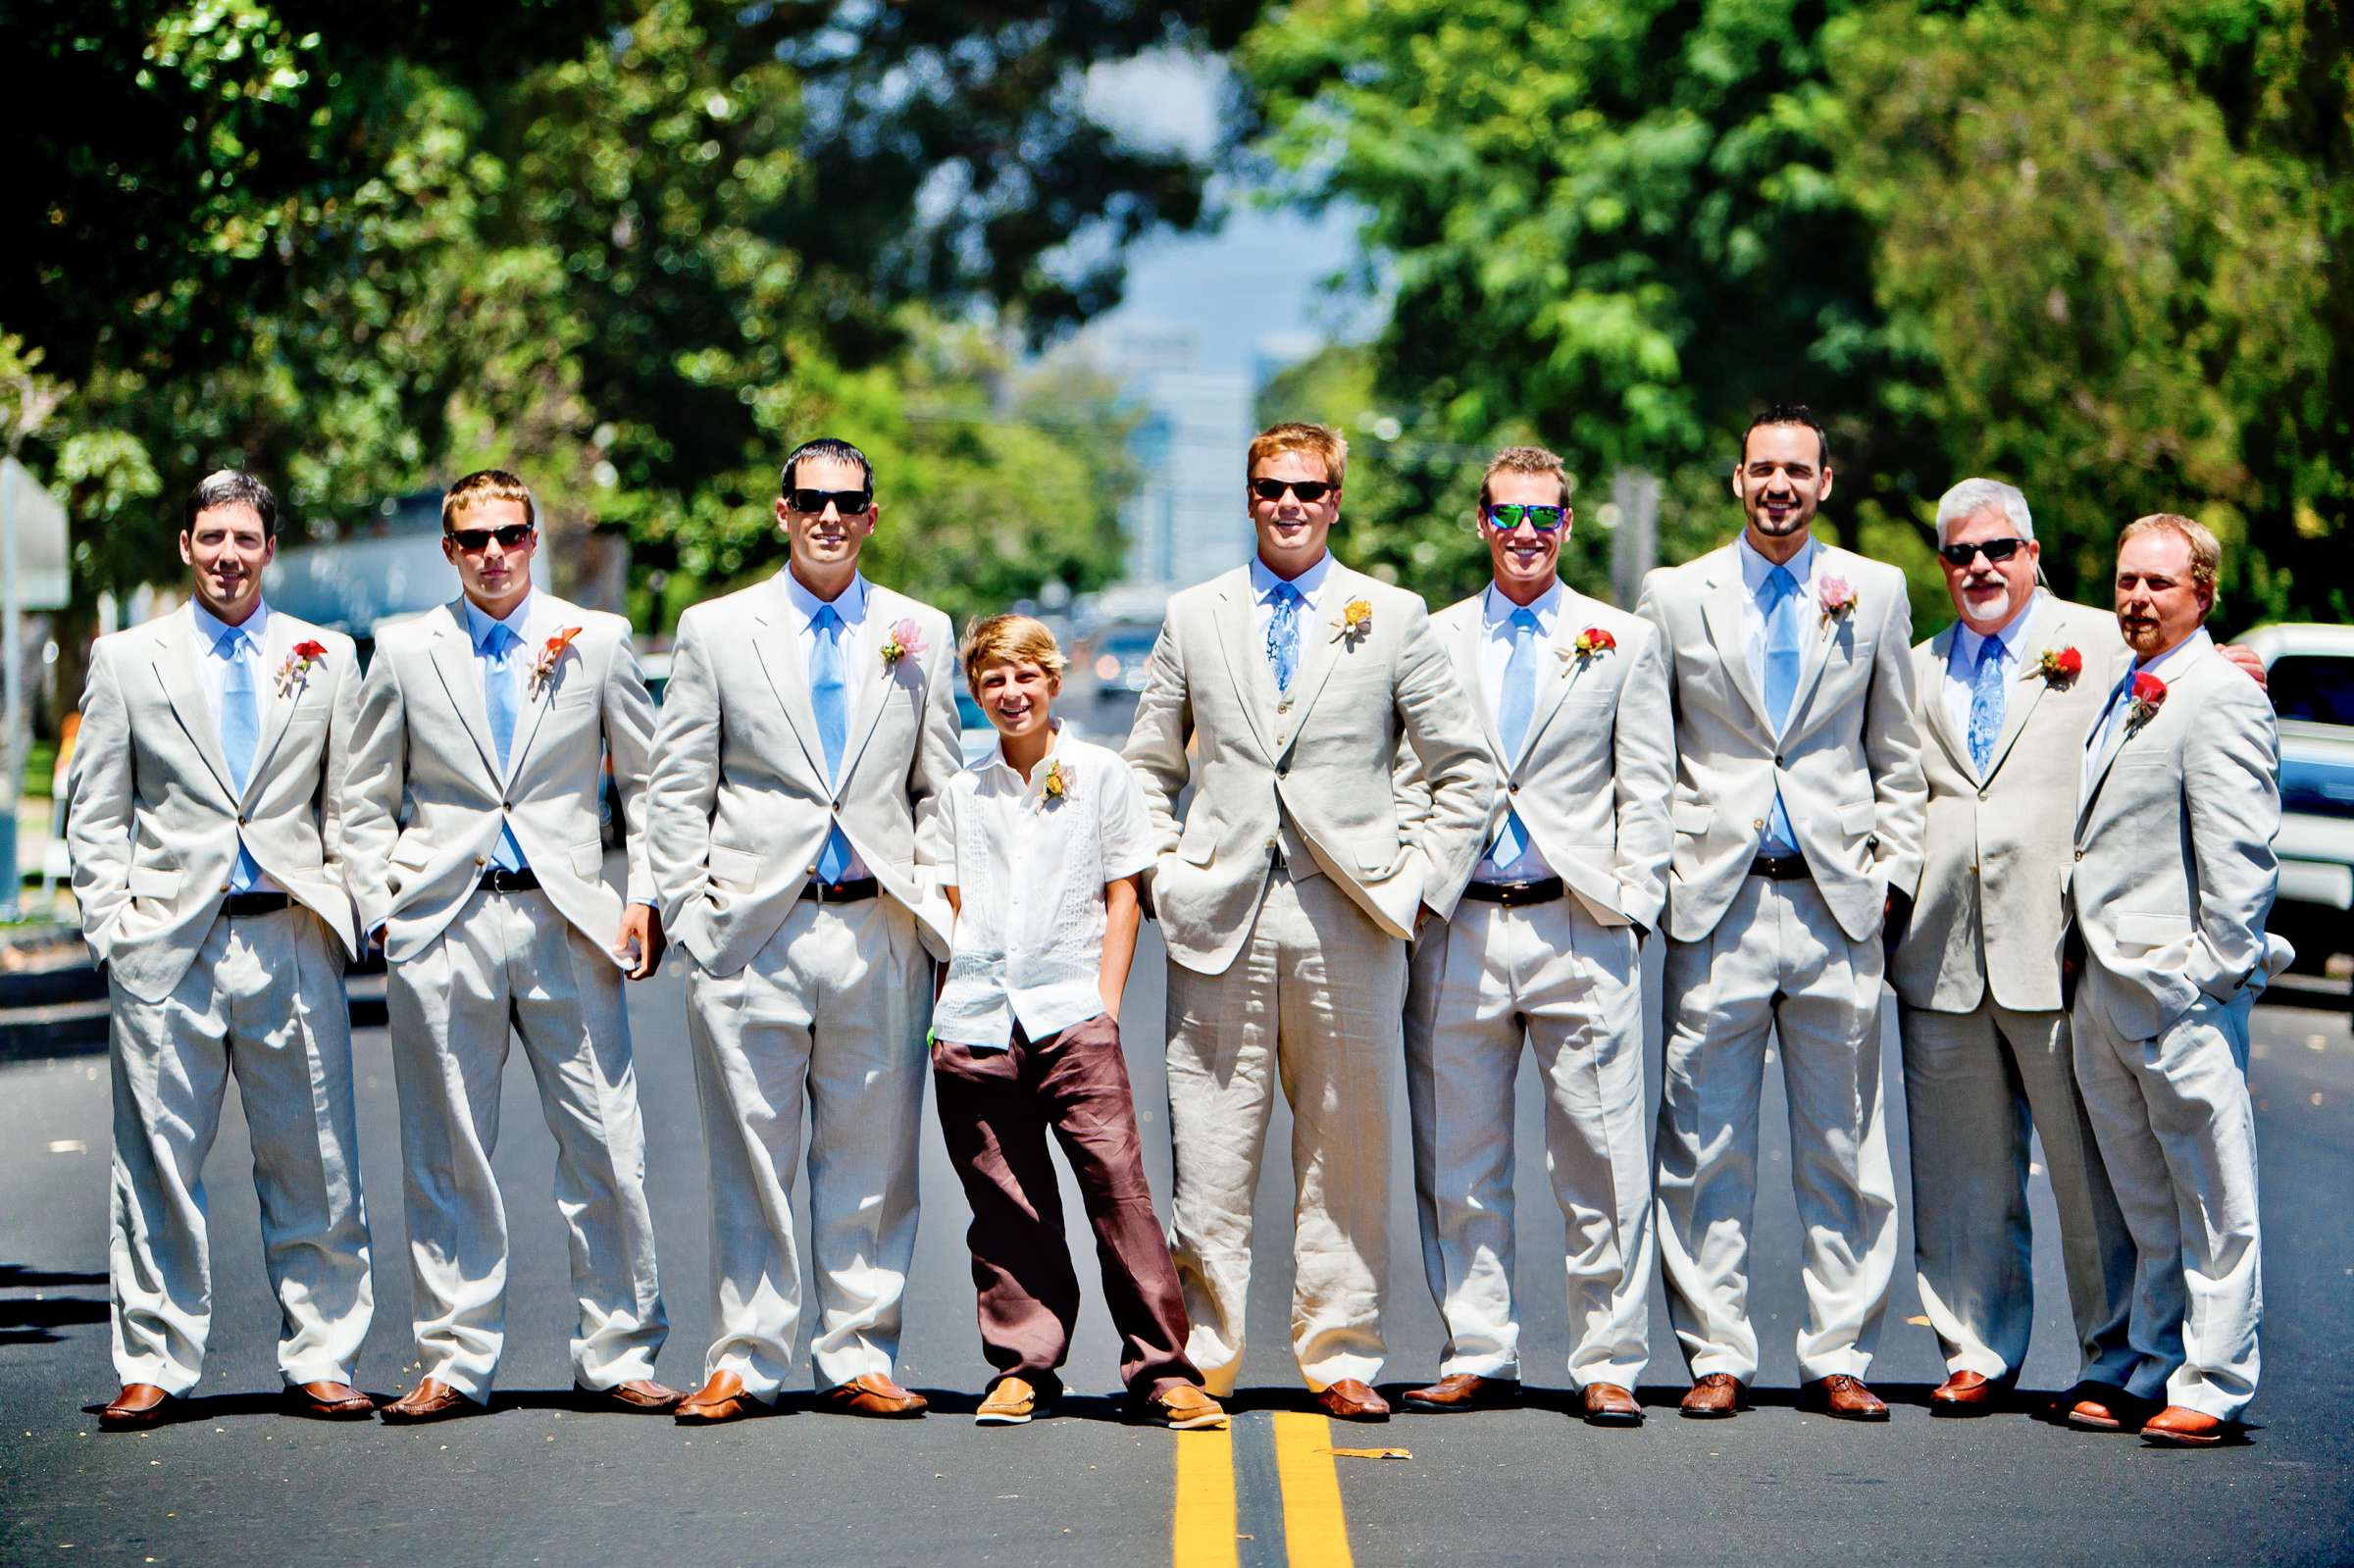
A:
<point x="77" y="1024"/>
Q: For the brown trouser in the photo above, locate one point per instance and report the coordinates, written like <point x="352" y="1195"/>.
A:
<point x="995" y="1108"/>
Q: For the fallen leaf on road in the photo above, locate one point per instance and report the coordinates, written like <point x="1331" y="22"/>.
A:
<point x="1371" y="1453"/>
<point x="1919" y="1323"/>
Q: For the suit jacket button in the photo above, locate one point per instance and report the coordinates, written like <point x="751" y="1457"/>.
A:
<point x="224" y="887"/>
<point x="1514" y="787"/>
<point x="1759" y="825"/>
<point x="812" y="870"/>
<point x="1285" y="706"/>
<point x="242" y="822"/>
<point x="2080" y="854"/>
<point x="1284" y="771"/>
<point x="1270" y="840"/>
<point x="1778" y="762"/>
<point x="1981" y="794"/>
<point x="481" y="860"/>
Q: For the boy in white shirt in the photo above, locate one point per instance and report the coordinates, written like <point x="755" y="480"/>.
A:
<point x="1051" y="835"/>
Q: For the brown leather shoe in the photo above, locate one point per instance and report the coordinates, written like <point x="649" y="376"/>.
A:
<point x="872" y="1393"/>
<point x="1969" y="1394"/>
<point x="1464" y="1390"/>
<point x="1352" y="1400"/>
<point x="328" y="1402"/>
<point x="2181" y="1428"/>
<point x="2105" y="1408"/>
<point x="1609" y="1406"/>
<point x="719" y="1398"/>
<point x="1183" y="1408"/>
<point x="1011" y="1403"/>
<point x="1842" y="1399"/>
<point x="1715" y="1396"/>
<point x="430" y="1400"/>
<point x="139" y="1405"/>
<point x="639" y="1396"/>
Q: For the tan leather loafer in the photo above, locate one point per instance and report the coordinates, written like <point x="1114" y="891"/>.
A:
<point x="871" y="1393"/>
<point x="430" y="1400"/>
<point x="1011" y="1403"/>
<point x="1183" y="1408"/>
<point x="1842" y="1399"/>
<point x="2176" y="1427"/>
<point x="137" y="1406"/>
<point x="1606" y="1404"/>
<point x="1464" y="1390"/>
<point x="1715" y="1396"/>
<point x="2105" y="1408"/>
<point x="719" y="1398"/>
<point x="328" y="1402"/>
<point x="639" y="1396"/>
<point x="1969" y="1394"/>
<point x="1352" y="1400"/>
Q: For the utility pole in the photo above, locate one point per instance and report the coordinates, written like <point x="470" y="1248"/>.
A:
<point x="1635" y="541"/>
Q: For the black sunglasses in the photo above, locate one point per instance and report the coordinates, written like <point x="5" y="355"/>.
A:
<point x="1997" y="552"/>
<point x="1309" y="491"/>
<point x="474" y="542"/>
<point x="850" y="503"/>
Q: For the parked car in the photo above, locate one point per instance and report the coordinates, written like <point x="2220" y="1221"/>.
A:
<point x="1116" y="654"/>
<point x="2311" y="671"/>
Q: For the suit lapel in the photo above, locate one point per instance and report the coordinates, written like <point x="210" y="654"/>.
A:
<point x="1930" y="682"/>
<point x="780" y="654"/>
<point x="1231" y="609"/>
<point x="1321" y="645"/>
<point x="1464" y="647"/>
<point x="1816" y="636"/>
<point x="2110" y="747"/>
<point x="883" y="607"/>
<point x="1561" y="671"/>
<point x="546" y="620"/>
<point x="453" y="652"/>
<point x="1722" y="610"/>
<point x="176" y="669"/>
<point x="278" y="709"/>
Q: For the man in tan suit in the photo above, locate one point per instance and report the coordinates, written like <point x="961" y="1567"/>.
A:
<point x="807" y="732"/>
<point x="2006" y="696"/>
<point x="477" y="863"/>
<point x="1286" y="895"/>
<point x="208" y="848"/>
<point x="1797" y="814"/>
<point x="1571" y="696"/>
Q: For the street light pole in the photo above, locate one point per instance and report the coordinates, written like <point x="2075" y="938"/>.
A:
<point x="12" y="696"/>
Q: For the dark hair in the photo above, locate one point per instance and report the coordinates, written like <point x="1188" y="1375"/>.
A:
<point x="487" y="485"/>
<point x="1788" y="414"/>
<point x="227" y="487"/>
<point x="827" y="446"/>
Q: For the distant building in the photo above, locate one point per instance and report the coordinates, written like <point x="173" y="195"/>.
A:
<point x="392" y="571"/>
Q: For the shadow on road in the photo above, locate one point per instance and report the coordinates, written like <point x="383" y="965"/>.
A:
<point x="36" y="1322"/>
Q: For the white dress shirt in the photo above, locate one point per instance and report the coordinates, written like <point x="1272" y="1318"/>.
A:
<point x="1495" y="654"/>
<point x="859" y="650"/>
<point x="1962" y="664"/>
<point x="212" y="673"/>
<point x="2096" y="744"/>
<point x="1030" y="871"/>
<point x="1311" y="585"/>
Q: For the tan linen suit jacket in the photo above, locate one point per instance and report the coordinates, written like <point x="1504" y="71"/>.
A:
<point x="1989" y="915"/>
<point x="1848" y="760"/>
<point x="1592" y="781"/>
<point x="2172" y="872"/>
<point x="428" y="796"/>
<point x="154" y="823"/>
<point x="1319" y="763"/>
<point x="740" y="803"/>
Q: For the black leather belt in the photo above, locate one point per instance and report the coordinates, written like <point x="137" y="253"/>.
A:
<point x="839" y="893"/>
<point x="1544" y="891"/>
<point x="499" y="879"/>
<point x="245" y="906"/>
<point x="1781" y="868"/>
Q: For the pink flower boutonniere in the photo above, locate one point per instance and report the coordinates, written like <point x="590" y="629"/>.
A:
<point x="2149" y="695"/>
<point x="297" y="668"/>
<point x="1354" y="625"/>
<point x="544" y="673"/>
<point x="2059" y="666"/>
<point x="1837" y="596"/>
<point x="1057" y="788"/>
<point x="904" y="641"/>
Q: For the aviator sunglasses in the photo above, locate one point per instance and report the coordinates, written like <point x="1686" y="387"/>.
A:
<point x="850" y="503"/>
<point x="474" y="542"/>
<point x="1309" y="491"/>
<point x="1997" y="552"/>
<point x="1543" y="518"/>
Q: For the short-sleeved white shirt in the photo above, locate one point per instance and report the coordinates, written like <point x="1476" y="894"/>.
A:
<point x="1030" y="871"/>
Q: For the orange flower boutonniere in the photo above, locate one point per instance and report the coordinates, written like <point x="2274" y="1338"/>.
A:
<point x="544" y="673"/>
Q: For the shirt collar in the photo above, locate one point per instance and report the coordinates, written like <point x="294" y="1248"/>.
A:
<point x="1038" y="775"/>
<point x="1309" y="582"/>
<point x="1496" y="611"/>
<point x="210" y="627"/>
<point x="1756" y="569"/>
<point x="1967" y="643"/>
<point x="849" y="603"/>
<point x="480" y="620"/>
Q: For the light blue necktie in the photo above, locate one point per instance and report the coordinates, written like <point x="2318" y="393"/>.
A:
<point x="1519" y="706"/>
<point x="498" y="694"/>
<point x="1283" y="634"/>
<point x="1986" y="705"/>
<point x="240" y="736"/>
<point x="1779" y="601"/>
<point x="829" y="695"/>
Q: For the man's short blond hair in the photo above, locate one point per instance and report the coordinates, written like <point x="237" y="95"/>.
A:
<point x="486" y="485"/>
<point x="1009" y="640"/>
<point x="1522" y="460"/>
<point x="2206" y="550"/>
<point x="1294" y="436"/>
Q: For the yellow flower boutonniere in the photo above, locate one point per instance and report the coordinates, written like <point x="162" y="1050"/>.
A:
<point x="1354" y="625"/>
<point x="1057" y="788"/>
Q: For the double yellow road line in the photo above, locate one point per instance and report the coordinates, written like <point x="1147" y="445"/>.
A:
<point x="1206" y="1530"/>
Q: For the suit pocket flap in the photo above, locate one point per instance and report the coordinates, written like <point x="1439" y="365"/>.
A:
<point x="2151" y="930"/>
<point x="1198" y="842"/>
<point x="738" y="866"/>
<point x="1692" y="817"/>
<point x="589" y="858"/>
<point x="1856" y="816"/>
<point x="153" y="881"/>
<point x="411" y="854"/>
<point x="1377" y="857"/>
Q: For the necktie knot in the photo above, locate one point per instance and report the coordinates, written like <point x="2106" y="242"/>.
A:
<point x="1991" y="653"/>
<point x="1525" y="623"/>
<point x="231" y="644"/>
<point x="1780" y="585"/>
<point x="498" y="639"/>
<point x="1287" y="595"/>
<point x="828" y="620"/>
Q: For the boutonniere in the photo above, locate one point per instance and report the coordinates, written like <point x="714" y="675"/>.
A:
<point x="905" y="640"/>
<point x="2149" y="695"/>
<point x="2059" y="666"/>
<point x="1354" y="625"/>
<point x="1058" y="785"/>
<point x="1837" y="596"/>
<point x="1591" y="644"/>
<point x="297" y="668"/>
<point x="551" y="654"/>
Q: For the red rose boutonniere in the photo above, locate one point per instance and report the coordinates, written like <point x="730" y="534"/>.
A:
<point x="2059" y="666"/>
<point x="544" y="673"/>
<point x="1592" y="643"/>
<point x="2149" y="695"/>
<point x="297" y="668"/>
